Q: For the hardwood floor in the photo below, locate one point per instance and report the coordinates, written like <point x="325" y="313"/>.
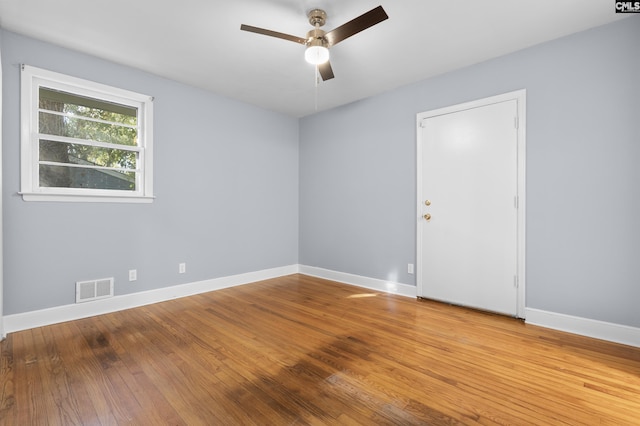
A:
<point x="301" y="350"/>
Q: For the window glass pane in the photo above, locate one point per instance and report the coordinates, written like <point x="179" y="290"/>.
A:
<point x="56" y="100"/>
<point x="79" y="128"/>
<point x="61" y="152"/>
<point x="79" y="177"/>
<point x="82" y="138"/>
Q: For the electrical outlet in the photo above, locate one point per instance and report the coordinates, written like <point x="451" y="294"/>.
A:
<point x="410" y="268"/>
<point x="182" y="268"/>
<point x="133" y="274"/>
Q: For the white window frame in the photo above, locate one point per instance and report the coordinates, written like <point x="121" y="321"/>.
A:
<point x="32" y="79"/>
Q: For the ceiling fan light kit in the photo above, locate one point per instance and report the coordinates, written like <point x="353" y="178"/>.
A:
<point x="318" y="42"/>
<point x="317" y="52"/>
<point x="316" y="55"/>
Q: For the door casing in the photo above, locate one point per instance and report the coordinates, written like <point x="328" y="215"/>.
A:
<point x="520" y="97"/>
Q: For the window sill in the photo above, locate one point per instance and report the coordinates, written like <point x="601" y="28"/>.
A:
<point x="82" y="198"/>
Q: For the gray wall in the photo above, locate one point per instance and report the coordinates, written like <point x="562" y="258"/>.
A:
<point x="233" y="180"/>
<point x="358" y="173"/>
<point x="226" y="182"/>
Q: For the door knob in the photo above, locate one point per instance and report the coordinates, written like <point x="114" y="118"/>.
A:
<point x="427" y="216"/>
<point x="427" y="202"/>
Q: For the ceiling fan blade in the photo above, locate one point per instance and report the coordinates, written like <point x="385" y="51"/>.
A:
<point x="275" y="34"/>
<point x="362" y="22"/>
<point x="325" y="71"/>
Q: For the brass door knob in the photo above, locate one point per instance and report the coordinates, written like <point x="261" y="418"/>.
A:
<point x="427" y="216"/>
<point x="427" y="202"/>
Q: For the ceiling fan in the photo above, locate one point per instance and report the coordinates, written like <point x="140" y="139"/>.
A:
<point x="318" y="42"/>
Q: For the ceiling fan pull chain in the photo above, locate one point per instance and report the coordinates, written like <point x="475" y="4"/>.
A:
<point x="317" y="80"/>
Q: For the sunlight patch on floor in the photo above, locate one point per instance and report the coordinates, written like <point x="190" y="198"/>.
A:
<point x="361" y="295"/>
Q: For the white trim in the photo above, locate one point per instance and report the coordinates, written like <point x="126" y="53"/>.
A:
<point x="582" y="326"/>
<point x="617" y="333"/>
<point x="27" y="320"/>
<point x="360" y="281"/>
<point x="76" y="198"/>
<point x="30" y="80"/>
<point x="2" y="333"/>
<point x="520" y="97"/>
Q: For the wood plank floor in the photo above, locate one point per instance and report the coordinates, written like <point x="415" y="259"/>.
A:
<point x="301" y="350"/>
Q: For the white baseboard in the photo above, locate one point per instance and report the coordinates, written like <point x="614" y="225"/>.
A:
<point x="585" y="327"/>
<point x="617" y="333"/>
<point x="27" y="320"/>
<point x="360" y="281"/>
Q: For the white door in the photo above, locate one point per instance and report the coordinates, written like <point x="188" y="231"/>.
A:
<point x="468" y="235"/>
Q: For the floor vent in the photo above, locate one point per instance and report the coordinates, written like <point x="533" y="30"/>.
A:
<point x="94" y="290"/>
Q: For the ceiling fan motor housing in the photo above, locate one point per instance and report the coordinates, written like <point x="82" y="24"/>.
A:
<point x="317" y="17"/>
<point x="316" y="37"/>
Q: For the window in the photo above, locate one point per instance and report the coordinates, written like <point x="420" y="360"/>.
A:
<point x="84" y="141"/>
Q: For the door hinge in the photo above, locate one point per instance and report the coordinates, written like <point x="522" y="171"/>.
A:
<point x="516" y="122"/>
<point x="516" y="202"/>
<point x="515" y="281"/>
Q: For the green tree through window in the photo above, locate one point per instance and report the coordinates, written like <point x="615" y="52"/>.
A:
<point x="84" y="141"/>
<point x="79" y="119"/>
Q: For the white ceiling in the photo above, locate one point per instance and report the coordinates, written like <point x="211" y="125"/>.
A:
<point x="199" y="42"/>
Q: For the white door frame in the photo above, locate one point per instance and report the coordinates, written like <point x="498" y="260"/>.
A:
<point x="520" y="97"/>
<point x="2" y="336"/>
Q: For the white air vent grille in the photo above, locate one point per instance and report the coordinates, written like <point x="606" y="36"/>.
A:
<point x="94" y="289"/>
